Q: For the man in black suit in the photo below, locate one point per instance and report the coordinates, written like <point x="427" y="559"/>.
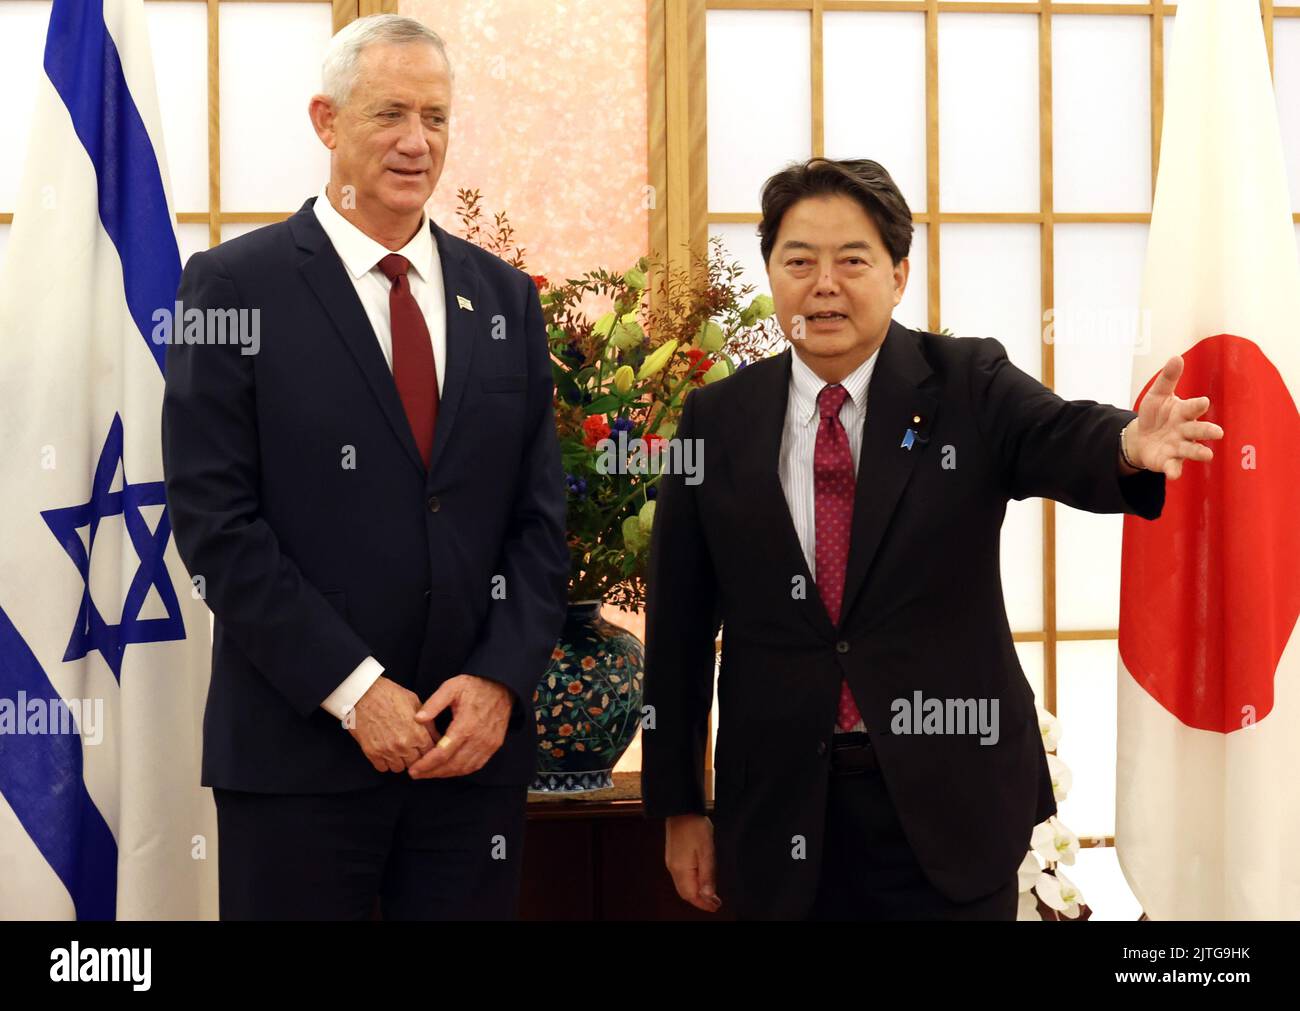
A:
<point x="373" y="506"/>
<point x="878" y="752"/>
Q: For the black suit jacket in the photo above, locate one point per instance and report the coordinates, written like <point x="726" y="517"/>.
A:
<point x="922" y="611"/>
<point x="310" y="565"/>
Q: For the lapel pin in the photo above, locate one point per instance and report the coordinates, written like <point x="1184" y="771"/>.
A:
<point x="464" y="303"/>
<point x="909" y="437"/>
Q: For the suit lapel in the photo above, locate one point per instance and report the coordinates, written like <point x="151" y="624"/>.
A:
<point x="894" y="401"/>
<point x="459" y="278"/>
<point x="329" y="279"/>
<point x="761" y="435"/>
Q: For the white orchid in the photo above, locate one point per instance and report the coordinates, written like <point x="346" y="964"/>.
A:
<point x="1050" y="728"/>
<point x="1029" y="870"/>
<point x="1051" y="843"/>
<point x="1062" y="777"/>
<point x="1054" y="842"/>
<point x="1028" y="908"/>
<point x="1059" y="893"/>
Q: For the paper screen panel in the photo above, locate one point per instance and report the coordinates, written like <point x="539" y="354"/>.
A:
<point x="22" y="46"/>
<point x="759" y="101"/>
<point x="1098" y="276"/>
<point x="178" y="34"/>
<point x="1085" y="704"/>
<point x="1101" y="122"/>
<point x="271" y="158"/>
<point x="860" y="50"/>
<point x="988" y="62"/>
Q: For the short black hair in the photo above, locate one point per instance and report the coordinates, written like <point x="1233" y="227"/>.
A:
<point x="864" y="180"/>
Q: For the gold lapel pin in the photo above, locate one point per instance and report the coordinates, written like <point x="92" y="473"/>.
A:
<point x="464" y="303"/>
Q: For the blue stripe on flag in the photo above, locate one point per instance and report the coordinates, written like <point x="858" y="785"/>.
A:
<point x="40" y="777"/>
<point x="82" y="63"/>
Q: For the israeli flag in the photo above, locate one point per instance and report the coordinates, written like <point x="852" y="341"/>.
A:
<point x="104" y="646"/>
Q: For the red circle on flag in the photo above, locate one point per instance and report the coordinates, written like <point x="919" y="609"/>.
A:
<point x="1210" y="592"/>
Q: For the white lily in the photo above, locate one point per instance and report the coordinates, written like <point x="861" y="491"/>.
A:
<point x="1062" y="777"/>
<point x="1059" y="893"/>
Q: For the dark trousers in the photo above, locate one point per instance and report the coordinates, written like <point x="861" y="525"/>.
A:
<point x="439" y="849"/>
<point x="868" y="870"/>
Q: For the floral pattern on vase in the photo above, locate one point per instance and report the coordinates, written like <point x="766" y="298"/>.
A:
<point x="588" y="703"/>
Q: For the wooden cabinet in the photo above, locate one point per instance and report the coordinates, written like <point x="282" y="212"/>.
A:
<point x="598" y="857"/>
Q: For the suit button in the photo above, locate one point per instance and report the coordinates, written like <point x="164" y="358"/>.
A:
<point x="434" y="504"/>
<point x="821" y="748"/>
<point x="841" y="647"/>
<point x="428" y="595"/>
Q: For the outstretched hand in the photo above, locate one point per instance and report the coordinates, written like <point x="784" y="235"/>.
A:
<point x="1166" y="431"/>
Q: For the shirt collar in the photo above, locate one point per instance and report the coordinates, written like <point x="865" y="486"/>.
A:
<point x="805" y="385"/>
<point x="361" y="254"/>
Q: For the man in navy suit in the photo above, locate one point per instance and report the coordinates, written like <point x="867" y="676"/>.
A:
<point x="372" y="504"/>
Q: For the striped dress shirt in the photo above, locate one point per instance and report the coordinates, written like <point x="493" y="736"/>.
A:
<point x="799" y="439"/>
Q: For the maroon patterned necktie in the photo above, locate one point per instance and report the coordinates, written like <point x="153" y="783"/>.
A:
<point x="414" y="370"/>
<point x="833" y="481"/>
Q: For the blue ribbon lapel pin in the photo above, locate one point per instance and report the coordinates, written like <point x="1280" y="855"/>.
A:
<point x="911" y="437"/>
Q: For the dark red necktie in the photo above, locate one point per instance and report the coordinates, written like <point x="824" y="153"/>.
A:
<point x="833" y="481"/>
<point x="414" y="370"/>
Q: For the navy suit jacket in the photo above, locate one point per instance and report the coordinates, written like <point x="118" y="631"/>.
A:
<point x="297" y="494"/>
<point x="923" y="612"/>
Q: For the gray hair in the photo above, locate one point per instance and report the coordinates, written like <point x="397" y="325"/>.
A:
<point x="339" y="69"/>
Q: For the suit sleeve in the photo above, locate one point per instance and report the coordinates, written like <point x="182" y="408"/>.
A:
<point x="211" y="462"/>
<point x="1067" y="450"/>
<point x="681" y="627"/>
<point x="521" y="629"/>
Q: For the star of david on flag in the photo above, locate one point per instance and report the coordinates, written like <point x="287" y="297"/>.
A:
<point x="91" y="631"/>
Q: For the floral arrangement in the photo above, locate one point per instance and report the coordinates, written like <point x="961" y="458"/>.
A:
<point x="1045" y="892"/>
<point x="621" y="380"/>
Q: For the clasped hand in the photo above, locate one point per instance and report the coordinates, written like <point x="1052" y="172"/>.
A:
<point x="397" y="733"/>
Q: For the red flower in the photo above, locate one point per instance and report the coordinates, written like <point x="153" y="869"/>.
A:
<point x="699" y="364"/>
<point x="652" y="441"/>
<point x="595" y="428"/>
<point x="540" y="281"/>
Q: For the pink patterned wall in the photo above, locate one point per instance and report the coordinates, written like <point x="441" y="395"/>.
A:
<point x="549" y="123"/>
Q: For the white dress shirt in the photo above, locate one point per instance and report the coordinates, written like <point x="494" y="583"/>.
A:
<point x="799" y="440"/>
<point x="361" y="255"/>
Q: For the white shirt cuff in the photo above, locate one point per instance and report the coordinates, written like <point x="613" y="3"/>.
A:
<point x="341" y="700"/>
